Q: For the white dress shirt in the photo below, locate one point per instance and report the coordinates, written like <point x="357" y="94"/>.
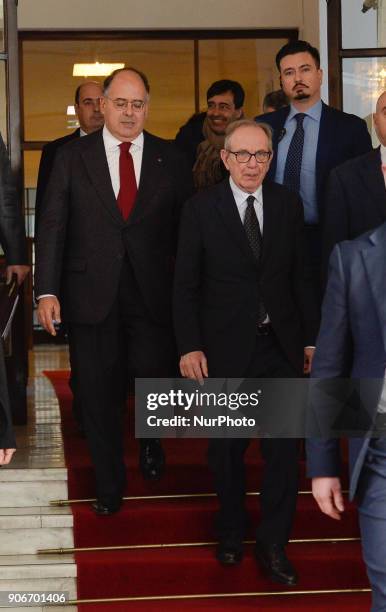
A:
<point x="112" y="154"/>
<point x="241" y="202"/>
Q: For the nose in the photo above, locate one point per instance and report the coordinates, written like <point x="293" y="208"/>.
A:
<point x="97" y="105"/>
<point x="252" y="162"/>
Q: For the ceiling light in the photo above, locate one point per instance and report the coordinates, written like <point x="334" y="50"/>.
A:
<point x="96" y="69"/>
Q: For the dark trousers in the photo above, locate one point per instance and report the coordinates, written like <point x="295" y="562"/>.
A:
<point x="279" y="484"/>
<point x="97" y="350"/>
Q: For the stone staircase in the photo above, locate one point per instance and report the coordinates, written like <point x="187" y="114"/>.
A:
<point x="28" y="523"/>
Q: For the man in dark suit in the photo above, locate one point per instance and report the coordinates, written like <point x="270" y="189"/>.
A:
<point x="241" y="310"/>
<point x="202" y="137"/>
<point x="309" y="139"/>
<point x="352" y="343"/>
<point x="13" y="243"/>
<point x="87" y="108"/>
<point x="106" y="247"/>
<point x="355" y="198"/>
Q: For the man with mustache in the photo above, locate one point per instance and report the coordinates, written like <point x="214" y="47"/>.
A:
<point x="309" y="140"/>
<point x="202" y="137"/>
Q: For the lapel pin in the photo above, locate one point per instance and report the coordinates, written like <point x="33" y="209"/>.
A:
<point x="159" y="160"/>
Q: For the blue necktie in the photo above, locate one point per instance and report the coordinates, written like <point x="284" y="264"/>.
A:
<point x="294" y="156"/>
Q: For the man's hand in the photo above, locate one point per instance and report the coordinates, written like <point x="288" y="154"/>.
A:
<point x="49" y="313"/>
<point x="328" y="493"/>
<point x="6" y="455"/>
<point x="308" y="356"/>
<point x="20" y="271"/>
<point x="194" y="365"/>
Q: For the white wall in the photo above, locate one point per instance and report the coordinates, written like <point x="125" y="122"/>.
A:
<point x="174" y="14"/>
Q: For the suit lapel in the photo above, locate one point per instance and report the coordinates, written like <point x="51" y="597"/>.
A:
<point x="372" y="176"/>
<point x="325" y="141"/>
<point x="152" y="175"/>
<point x="270" y="222"/>
<point x="278" y="133"/>
<point x="374" y="259"/>
<point x="227" y="209"/>
<point x="94" y="157"/>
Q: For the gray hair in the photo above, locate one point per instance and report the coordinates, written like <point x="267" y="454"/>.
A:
<point x="235" y="125"/>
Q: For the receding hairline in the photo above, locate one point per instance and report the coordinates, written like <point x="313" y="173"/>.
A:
<point x="235" y="126"/>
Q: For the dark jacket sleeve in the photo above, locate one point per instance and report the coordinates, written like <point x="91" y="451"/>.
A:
<point x="303" y="285"/>
<point x="12" y="230"/>
<point x="7" y="438"/>
<point x="187" y="281"/>
<point x="45" y="168"/>
<point x="331" y="361"/>
<point x="51" y="236"/>
<point x="336" y="219"/>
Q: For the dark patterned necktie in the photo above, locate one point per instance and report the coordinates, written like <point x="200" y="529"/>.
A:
<point x="294" y="156"/>
<point x="255" y="239"/>
<point x="128" y="183"/>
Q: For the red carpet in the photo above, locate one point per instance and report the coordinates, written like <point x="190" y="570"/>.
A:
<point x="184" y="570"/>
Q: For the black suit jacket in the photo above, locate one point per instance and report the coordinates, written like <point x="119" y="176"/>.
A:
<point x="45" y="168"/>
<point x="355" y="201"/>
<point x="12" y="229"/>
<point x="341" y="137"/>
<point x="13" y="242"/>
<point x="82" y="238"/>
<point x="217" y="280"/>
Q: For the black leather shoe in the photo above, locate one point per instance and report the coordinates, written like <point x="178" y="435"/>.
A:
<point x="230" y="550"/>
<point x="275" y="562"/>
<point x="151" y="459"/>
<point x="104" y="509"/>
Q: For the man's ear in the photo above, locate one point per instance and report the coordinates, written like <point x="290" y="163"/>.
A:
<point x="224" y="156"/>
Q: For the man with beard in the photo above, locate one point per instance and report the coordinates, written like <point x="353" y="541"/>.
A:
<point x="202" y="137"/>
<point x="309" y="140"/>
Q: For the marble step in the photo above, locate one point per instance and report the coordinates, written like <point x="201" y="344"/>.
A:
<point x="23" y="531"/>
<point x="33" y="573"/>
<point x="32" y="487"/>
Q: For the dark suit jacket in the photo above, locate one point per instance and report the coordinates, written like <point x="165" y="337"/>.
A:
<point x="13" y="242"/>
<point x="351" y="341"/>
<point x="341" y="136"/>
<point x="82" y="238"/>
<point x="217" y="280"/>
<point x="7" y="438"/>
<point x="45" y="168"/>
<point x="12" y="229"/>
<point x="355" y="201"/>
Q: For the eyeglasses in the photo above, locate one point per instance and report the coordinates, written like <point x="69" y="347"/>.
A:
<point x="243" y="157"/>
<point x="123" y="104"/>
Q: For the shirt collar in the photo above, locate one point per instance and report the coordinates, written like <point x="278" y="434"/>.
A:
<point x="240" y="196"/>
<point x="82" y="132"/>
<point x="383" y="155"/>
<point x="111" y="142"/>
<point x="315" y="111"/>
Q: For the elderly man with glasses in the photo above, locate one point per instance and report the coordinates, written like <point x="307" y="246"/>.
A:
<point x="242" y="310"/>
<point x="104" y="261"/>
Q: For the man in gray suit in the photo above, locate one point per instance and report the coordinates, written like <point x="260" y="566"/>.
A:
<point x="352" y="343"/>
<point x="13" y="243"/>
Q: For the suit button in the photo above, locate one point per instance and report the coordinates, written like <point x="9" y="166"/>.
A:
<point x="119" y="256"/>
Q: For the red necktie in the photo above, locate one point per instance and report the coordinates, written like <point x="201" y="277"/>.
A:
<point x="128" y="184"/>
